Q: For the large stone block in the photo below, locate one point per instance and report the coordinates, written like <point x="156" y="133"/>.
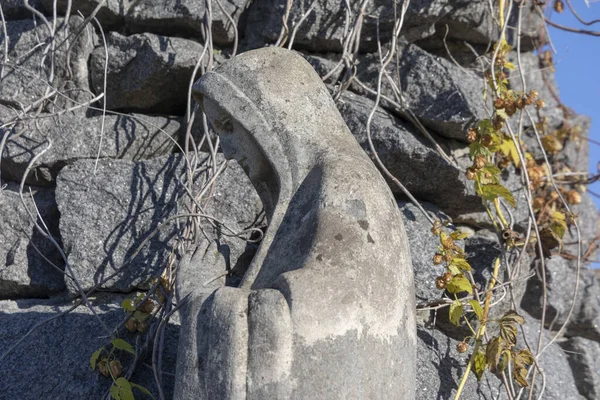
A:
<point x="107" y="214"/>
<point x="146" y="73"/>
<point x="58" y="352"/>
<point x="33" y="55"/>
<point x="26" y="269"/>
<point x="75" y="136"/>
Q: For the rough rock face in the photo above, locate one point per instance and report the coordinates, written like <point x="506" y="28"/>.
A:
<point x="31" y="54"/>
<point x="27" y="269"/>
<point x="100" y="201"/>
<point x="74" y="136"/>
<point x="122" y="222"/>
<point x="146" y="72"/>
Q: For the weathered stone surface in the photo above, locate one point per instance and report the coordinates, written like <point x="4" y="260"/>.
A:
<point x="481" y="246"/>
<point x="182" y="18"/>
<point x="146" y="72"/>
<point x="440" y="368"/>
<point x="560" y="381"/>
<point x="15" y="9"/>
<point x="75" y="137"/>
<point x="442" y="95"/>
<point x="58" y="353"/>
<point x="106" y="215"/>
<point x="409" y="157"/>
<point x="26" y="75"/>
<point x="111" y="13"/>
<point x="584" y="358"/>
<point x="330" y="214"/>
<point x="25" y="269"/>
<point x="423" y="245"/>
<point x="561" y="280"/>
<point x="323" y="29"/>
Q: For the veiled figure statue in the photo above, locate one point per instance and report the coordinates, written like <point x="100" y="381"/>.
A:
<point x="326" y="308"/>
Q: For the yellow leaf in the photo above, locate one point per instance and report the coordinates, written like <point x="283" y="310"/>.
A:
<point x="509" y="149"/>
<point x="459" y="235"/>
<point x="456" y="311"/>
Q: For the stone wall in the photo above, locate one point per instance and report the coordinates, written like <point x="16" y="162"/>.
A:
<point x="94" y="122"/>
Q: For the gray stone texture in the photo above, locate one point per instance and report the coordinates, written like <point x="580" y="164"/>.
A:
<point x="561" y="280"/>
<point x="410" y="157"/>
<point x="443" y="96"/>
<point x="146" y="73"/>
<point x="75" y="136"/>
<point x="31" y="53"/>
<point x="584" y="357"/>
<point x="26" y="256"/>
<point x="16" y="9"/>
<point x="106" y="215"/>
<point x="53" y="362"/>
<point x="182" y="18"/>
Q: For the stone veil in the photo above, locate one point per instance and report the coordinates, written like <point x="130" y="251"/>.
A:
<point x="326" y="309"/>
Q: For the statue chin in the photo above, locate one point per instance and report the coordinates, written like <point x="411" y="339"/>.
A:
<point x="326" y="308"/>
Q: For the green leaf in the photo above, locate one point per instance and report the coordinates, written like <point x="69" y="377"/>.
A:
<point x="125" y="391"/>
<point x="479" y="365"/>
<point x="459" y="235"/>
<point x="459" y="284"/>
<point x="141" y="389"/>
<point x="456" y="311"/>
<point x="477" y="308"/>
<point x="140" y="316"/>
<point x="502" y="114"/>
<point x="477" y="148"/>
<point x="123" y="345"/>
<point x="128" y="305"/>
<point x="461" y="263"/>
<point x="94" y="358"/>
<point x="115" y="392"/>
<point x="454" y="269"/>
<point x="493" y="191"/>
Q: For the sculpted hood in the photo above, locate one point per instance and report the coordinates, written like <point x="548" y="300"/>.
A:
<point x="272" y="103"/>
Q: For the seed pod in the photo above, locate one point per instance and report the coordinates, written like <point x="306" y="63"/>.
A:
<point x="539" y="104"/>
<point x="479" y="162"/>
<point x="438" y="259"/>
<point x="510" y="109"/>
<point x="559" y="6"/>
<point x="147" y="306"/>
<point x="487" y="140"/>
<point x="448" y="243"/>
<point x="538" y="203"/>
<point x="103" y="368"/>
<point x="462" y="347"/>
<point x="471" y="135"/>
<point x="116" y="368"/>
<point x="498" y="103"/>
<point x="498" y="123"/>
<point x="448" y="257"/>
<point x="439" y="283"/>
<point x="470" y="174"/>
<point x="447" y="277"/>
<point x="520" y="103"/>
<point x="131" y="325"/>
<point x="573" y="197"/>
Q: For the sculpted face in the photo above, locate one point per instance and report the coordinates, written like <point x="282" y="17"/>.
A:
<point x="239" y="144"/>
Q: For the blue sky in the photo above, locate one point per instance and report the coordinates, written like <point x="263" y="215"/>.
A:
<point x="577" y="61"/>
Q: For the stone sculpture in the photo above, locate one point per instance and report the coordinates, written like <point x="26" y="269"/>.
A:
<point x="326" y="307"/>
